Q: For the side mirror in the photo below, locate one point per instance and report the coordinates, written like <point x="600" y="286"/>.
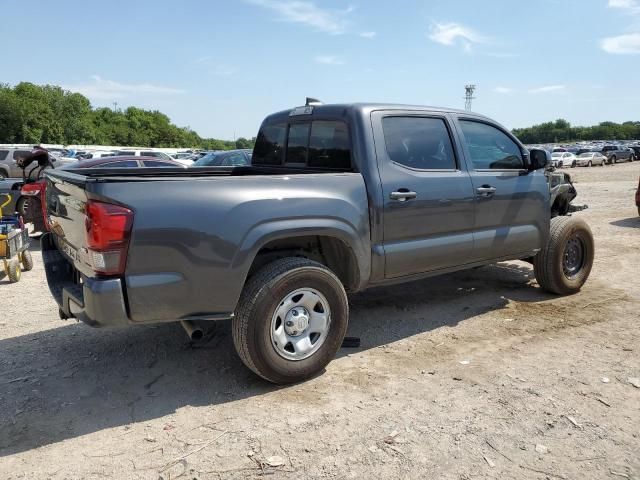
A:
<point x="538" y="159"/>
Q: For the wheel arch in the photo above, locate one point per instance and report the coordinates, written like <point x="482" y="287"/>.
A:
<point x="331" y="242"/>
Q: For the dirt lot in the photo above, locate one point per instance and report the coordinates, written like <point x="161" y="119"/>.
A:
<point x="477" y="374"/>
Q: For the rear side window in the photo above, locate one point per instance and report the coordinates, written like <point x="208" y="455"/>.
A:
<point x="490" y="148"/>
<point x="157" y="163"/>
<point x="127" y="164"/>
<point x="422" y="143"/>
<point x="235" y="160"/>
<point x="269" y="147"/>
<point x="20" y="154"/>
<point x="3" y="154"/>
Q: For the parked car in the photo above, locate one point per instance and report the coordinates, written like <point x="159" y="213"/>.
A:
<point x="563" y="159"/>
<point x="339" y="198"/>
<point x="636" y="151"/>
<point x="589" y="159"/>
<point x="227" y="158"/>
<point x="130" y="161"/>
<point x="617" y="153"/>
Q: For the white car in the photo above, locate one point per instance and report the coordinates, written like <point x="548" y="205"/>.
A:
<point x="588" y="159"/>
<point x="563" y="159"/>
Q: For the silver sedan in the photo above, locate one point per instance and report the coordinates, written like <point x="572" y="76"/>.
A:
<point x="589" y="159"/>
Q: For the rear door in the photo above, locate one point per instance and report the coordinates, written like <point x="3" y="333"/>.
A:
<point x="428" y="213"/>
<point x="511" y="203"/>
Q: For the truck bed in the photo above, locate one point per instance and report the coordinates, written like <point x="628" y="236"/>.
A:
<point x="195" y="233"/>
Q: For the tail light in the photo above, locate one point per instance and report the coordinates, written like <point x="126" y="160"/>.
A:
<point x="108" y="230"/>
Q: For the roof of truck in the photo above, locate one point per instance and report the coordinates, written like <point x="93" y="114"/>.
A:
<point x="339" y="109"/>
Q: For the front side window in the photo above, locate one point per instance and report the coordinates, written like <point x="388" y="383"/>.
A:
<point x="3" y="154"/>
<point x="419" y="142"/>
<point x="270" y="144"/>
<point x="490" y="148"/>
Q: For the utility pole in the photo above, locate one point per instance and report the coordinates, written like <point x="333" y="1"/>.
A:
<point x="115" y="106"/>
<point x="468" y="96"/>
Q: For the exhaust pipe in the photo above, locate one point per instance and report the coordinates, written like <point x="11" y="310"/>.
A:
<point x="194" y="332"/>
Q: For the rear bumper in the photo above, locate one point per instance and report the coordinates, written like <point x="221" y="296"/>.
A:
<point x="96" y="302"/>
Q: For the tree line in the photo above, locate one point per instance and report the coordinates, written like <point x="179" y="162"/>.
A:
<point x="562" y="131"/>
<point x="35" y="114"/>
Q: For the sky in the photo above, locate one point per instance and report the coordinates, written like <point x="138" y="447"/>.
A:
<point x="220" y="67"/>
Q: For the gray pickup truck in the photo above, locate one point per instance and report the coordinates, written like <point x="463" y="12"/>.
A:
<point x="339" y="198"/>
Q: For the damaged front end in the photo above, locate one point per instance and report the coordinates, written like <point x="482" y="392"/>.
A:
<point x="562" y="193"/>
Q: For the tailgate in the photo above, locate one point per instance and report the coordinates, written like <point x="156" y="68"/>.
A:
<point x="66" y="202"/>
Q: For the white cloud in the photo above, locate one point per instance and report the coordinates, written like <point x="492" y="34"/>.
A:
<point x="451" y="34"/>
<point x="547" y="89"/>
<point x="503" y="90"/>
<point x="628" y="44"/>
<point x="329" y="60"/>
<point x="308" y="13"/>
<point x="368" y="34"/>
<point x="101" y="88"/>
<point x="632" y="5"/>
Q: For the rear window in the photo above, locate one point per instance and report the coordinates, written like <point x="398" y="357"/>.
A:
<point x="3" y="154"/>
<point x="269" y="147"/>
<point x="317" y="144"/>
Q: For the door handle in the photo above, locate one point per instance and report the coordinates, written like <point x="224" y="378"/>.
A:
<point x="403" y="195"/>
<point x="486" y="191"/>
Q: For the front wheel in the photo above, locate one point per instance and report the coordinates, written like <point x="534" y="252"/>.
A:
<point x="291" y="320"/>
<point x="589" y="164"/>
<point x="613" y="160"/>
<point x="564" y="263"/>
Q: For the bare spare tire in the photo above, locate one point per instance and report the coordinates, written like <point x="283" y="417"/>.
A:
<point x="291" y="320"/>
<point x="564" y="263"/>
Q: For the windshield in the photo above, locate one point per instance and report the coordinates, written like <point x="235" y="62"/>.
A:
<point x="210" y="159"/>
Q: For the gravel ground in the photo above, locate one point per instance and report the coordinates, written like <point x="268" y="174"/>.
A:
<point x="477" y="374"/>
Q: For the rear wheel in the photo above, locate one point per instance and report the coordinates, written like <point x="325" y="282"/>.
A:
<point x="613" y="160"/>
<point x="564" y="264"/>
<point x="14" y="271"/>
<point x="291" y="320"/>
<point x="589" y="164"/>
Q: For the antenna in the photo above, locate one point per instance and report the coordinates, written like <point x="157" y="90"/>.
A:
<point x="468" y="96"/>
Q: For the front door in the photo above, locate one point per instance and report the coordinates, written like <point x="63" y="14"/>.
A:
<point x="428" y="212"/>
<point x="512" y="204"/>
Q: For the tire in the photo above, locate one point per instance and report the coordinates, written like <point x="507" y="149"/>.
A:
<point x="14" y="271"/>
<point x="589" y="164"/>
<point x="612" y="160"/>
<point x="257" y="317"/>
<point x="552" y="266"/>
<point x="573" y="164"/>
<point x="27" y="261"/>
